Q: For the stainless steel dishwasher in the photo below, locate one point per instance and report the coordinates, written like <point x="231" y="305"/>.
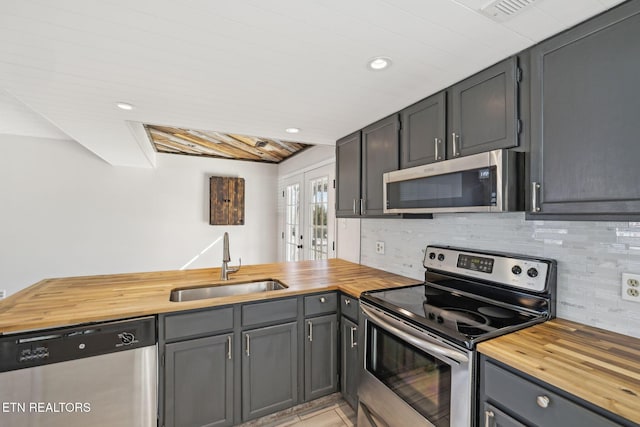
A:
<point x="96" y="375"/>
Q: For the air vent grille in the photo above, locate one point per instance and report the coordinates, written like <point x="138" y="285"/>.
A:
<point x="501" y="10"/>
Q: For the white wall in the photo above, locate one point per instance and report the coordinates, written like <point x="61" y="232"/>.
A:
<point x="65" y="212"/>
<point x="591" y="256"/>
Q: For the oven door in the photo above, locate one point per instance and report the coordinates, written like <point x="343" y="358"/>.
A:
<point x="411" y="377"/>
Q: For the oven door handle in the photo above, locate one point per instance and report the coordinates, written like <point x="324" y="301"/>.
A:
<point x="406" y="333"/>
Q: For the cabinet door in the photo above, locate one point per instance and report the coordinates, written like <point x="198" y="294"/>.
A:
<point x="235" y="200"/>
<point x="423" y="132"/>
<point x="585" y="102"/>
<point x="320" y="357"/>
<point x="484" y="111"/>
<point x="350" y="362"/>
<point x="380" y="154"/>
<point x="199" y="382"/>
<point x="493" y="417"/>
<point x="218" y="206"/>
<point x="269" y="370"/>
<point x="348" y="176"/>
<point x="226" y="201"/>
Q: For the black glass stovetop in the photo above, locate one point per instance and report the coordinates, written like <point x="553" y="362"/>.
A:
<point x="461" y="318"/>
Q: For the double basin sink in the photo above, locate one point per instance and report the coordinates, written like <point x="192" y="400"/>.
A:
<point x="225" y="290"/>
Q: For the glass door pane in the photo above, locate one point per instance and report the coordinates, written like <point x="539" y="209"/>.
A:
<point x="420" y="379"/>
<point x="292" y="238"/>
<point x="318" y="218"/>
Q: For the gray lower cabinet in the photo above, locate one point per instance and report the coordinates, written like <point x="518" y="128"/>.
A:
<point x="585" y="100"/>
<point x="424" y="132"/>
<point x="321" y="356"/>
<point x="483" y="111"/>
<point x="269" y="370"/>
<point x="199" y="382"/>
<point x="493" y="417"/>
<point x="509" y="398"/>
<point x="349" y="362"/>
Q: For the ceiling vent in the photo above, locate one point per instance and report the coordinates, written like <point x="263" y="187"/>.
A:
<point x="502" y="10"/>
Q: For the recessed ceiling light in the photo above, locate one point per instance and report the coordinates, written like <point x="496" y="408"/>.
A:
<point x="124" y="106"/>
<point x="292" y="130"/>
<point x="379" y="63"/>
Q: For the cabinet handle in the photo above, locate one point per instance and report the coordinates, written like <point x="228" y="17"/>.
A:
<point x="246" y="350"/>
<point x="310" y="331"/>
<point x="543" y="401"/>
<point x="354" y="206"/>
<point x="229" y="350"/>
<point x="362" y="205"/>
<point x="454" y="142"/>
<point x="535" y="197"/>
<point x="488" y="417"/>
<point x="323" y="300"/>
<point x="347" y="301"/>
<point x="436" y="142"/>
<point x="353" y="341"/>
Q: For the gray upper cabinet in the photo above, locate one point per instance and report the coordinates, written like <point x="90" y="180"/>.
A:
<point x="423" y="135"/>
<point x="483" y="111"/>
<point x="321" y="356"/>
<point x="269" y="370"/>
<point x="348" y="159"/>
<point x="199" y="383"/>
<point x="585" y="100"/>
<point x="361" y="160"/>
<point x="380" y="154"/>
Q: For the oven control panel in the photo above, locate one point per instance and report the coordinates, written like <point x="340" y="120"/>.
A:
<point x="518" y="271"/>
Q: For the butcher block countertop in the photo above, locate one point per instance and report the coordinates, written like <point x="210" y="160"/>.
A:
<point x="598" y="366"/>
<point x="72" y="300"/>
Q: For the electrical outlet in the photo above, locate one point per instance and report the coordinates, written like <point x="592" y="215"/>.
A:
<point x="380" y="247"/>
<point x="631" y="287"/>
<point x="3" y="293"/>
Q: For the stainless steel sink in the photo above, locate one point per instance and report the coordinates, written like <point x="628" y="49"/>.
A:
<point x="225" y="290"/>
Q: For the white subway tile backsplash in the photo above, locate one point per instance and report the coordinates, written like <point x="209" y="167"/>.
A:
<point x="591" y="256"/>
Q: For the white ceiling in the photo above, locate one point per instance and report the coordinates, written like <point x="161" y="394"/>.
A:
<point x="251" y="67"/>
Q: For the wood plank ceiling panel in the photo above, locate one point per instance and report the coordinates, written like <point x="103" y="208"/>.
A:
<point x="167" y="139"/>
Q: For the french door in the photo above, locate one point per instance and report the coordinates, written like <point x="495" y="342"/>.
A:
<point x="309" y="215"/>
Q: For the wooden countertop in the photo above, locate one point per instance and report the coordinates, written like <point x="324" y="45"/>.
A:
<point x="72" y="300"/>
<point x="598" y="366"/>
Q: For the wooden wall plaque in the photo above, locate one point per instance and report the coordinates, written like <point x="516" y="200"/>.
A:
<point x="226" y="200"/>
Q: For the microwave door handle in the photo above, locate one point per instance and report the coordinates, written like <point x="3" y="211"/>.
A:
<point x="424" y="342"/>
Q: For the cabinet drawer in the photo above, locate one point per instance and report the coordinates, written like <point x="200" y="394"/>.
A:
<point x="349" y="307"/>
<point x="320" y="303"/>
<point x="526" y="399"/>
<point x="198" y="323"/>
<point x="270" y="311"/>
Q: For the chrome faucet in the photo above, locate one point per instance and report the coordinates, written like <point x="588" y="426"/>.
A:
<point x="226" y="258"/>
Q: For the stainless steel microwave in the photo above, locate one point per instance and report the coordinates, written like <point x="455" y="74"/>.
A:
<point x="484" y="182"/>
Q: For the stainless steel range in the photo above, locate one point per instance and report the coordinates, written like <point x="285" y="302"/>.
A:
<point x="419" y="348"/>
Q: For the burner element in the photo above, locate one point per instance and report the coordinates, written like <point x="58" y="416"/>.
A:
<point x="464" y="317"/>
<point x="500" y="313"/>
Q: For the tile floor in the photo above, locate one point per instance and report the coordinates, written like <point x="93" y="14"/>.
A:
<point x="330" y="411"/>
